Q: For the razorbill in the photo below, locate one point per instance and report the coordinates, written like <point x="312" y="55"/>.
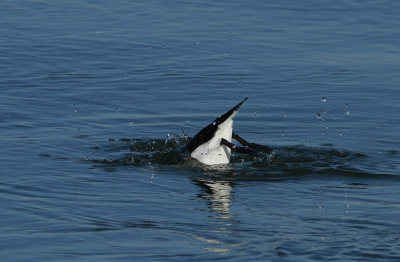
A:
<point x="213" y="144"/>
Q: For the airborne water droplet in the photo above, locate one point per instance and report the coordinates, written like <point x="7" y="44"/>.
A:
<point x="347" y="112"/>
<point x="323" y="99"/>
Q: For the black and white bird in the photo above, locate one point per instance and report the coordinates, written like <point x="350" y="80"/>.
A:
<point x="213" y="144"/>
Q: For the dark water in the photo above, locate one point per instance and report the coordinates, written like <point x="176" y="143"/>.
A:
<point x="94" y="96"/>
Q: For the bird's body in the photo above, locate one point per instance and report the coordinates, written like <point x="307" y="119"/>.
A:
<point x="213" y="144"/>
<point x="212" y="152"/>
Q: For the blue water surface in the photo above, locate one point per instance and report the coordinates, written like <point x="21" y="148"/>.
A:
<point x="98" y="97"/>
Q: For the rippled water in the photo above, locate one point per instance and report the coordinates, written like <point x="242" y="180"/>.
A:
<point x="98" y="99"/>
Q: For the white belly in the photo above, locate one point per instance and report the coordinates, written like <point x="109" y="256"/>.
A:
<point x="212" y="152"/>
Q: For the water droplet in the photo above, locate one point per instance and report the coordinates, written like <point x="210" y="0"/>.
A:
<point x="318" y="115"/>
<point x="214" y="123"/>
<point x="323" y="99"/>
<point x="75" y="110"/>
<point x="347" y="112"/>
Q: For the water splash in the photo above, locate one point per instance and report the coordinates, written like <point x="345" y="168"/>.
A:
<point x="287" y="162"/>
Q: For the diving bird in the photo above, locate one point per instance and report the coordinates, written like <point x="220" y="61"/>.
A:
<point x="213" y="144"/>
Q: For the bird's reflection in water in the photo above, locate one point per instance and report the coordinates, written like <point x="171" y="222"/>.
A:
<point x="218" y="196"/>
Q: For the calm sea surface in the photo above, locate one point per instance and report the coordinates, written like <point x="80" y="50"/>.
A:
<point x="97" y="97"/>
